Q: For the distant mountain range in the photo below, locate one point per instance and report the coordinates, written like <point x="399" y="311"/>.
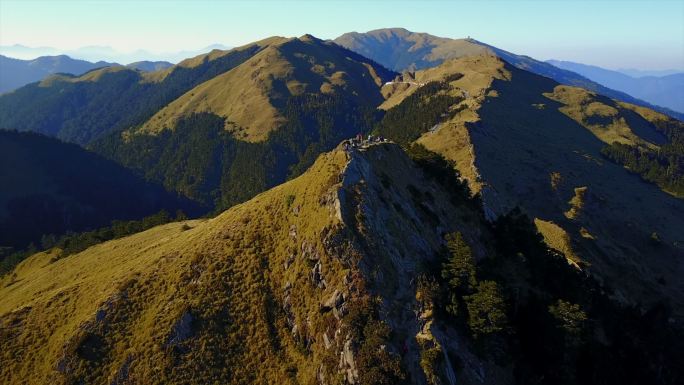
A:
<point x="665" y="90"/>
<point x="637" y="73"/>
<point x="106" y="53"/>
<point x="15" y="73"/>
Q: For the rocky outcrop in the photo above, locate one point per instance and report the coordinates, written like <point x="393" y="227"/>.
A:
<point x="347" y="364"/>
<point x="181" y="330"/>
<point x="386" y="222"/>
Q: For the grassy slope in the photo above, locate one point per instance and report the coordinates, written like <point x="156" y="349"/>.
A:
<point x="517" y="137"/>
<point x="111" y="310"/>
<point x="452" y="140"/>
<point x="295" y="98"/>
<point x="235" y="299"/>
<point x="401" y="50"/>
<point x="251" y="96"/>
<point x="608" y="120"/>
<point x="620" y="210"/>
<point x="145" y="282"/>
<point x="85" y="108"/>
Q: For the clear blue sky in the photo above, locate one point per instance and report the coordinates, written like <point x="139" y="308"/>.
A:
<point x="610" y="33"/>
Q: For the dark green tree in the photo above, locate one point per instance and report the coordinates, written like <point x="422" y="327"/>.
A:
<point x="458" y="271"/>
<point x="570" y="319"/>
<point x="420" y="111"/>
<point x="378" y="366"/>
<point x="486" y="310"/>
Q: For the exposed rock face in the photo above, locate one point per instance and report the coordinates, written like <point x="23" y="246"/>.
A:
<point x="317" y="276"/>
<point x="334" y="302"/>
<point x="347" y="365"/>
<point x="388" y="227"/>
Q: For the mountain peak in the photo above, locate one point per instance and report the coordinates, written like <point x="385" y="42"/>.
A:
<point x="406" y="50"/>
<point x="391" y="30"/>
<point x="309" y="38"/>
<point x="400" y="49"/>
<point x="251" y="96"/>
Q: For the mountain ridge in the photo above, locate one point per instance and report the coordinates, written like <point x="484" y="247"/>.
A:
<point x="314" y="246"/>
<point x="523" y="140"/>
<point x="273" y="74"/>
<point x="105" y="110"/>
<point x="17" y="73"/>
<point x="424" y="50"/>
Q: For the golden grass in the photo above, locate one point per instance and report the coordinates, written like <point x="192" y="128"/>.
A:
<point x="584" y="233"/>
<point x="245" y="95"/>
<point x="91" y="76"/>
<point x="515" y="150"/>
<point x="557" y="238"/>
<point x="478" y="73"/>
<point x="38" y="279"/>
<point x="158" y="76"/>
<point x="92" y="314"/>
<point x="644" y="112"/>
<point x="145" y="282"/>
<point x="239" y="95"/>
<point x="217" y="53"/>
<point x="457" y="48"/>
<point x="452" y="139"/>
<point x="577" y="203"/>
<point x="556" y="178"/>
<point x="603" y="120"/>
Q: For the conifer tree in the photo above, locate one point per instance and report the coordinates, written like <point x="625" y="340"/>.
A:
<point x="486" y="309"/>
<point x="458" y="271"/>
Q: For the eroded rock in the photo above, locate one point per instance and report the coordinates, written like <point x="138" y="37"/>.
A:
<point x="347" y="364"/>
<point x="181" y="330"/>
<point x="317" y="276"/>
<point x="335" y="301"/>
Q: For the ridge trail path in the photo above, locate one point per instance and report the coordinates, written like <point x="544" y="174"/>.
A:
<point x="411" y="83"/>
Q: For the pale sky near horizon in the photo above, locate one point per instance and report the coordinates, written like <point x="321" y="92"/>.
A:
<point x="608" y="33"/>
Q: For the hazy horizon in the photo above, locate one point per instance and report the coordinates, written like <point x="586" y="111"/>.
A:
<point x="644" y="35"/>
<point x="103" y="53"/>
<point x="90" y="53"/>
